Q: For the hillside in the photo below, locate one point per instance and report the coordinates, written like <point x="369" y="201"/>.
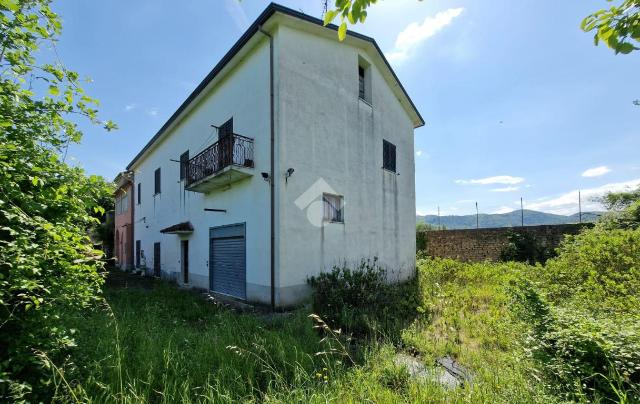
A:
<point x="511" y="219"/>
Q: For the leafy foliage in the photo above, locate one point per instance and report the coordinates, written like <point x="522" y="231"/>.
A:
<point x="598" y="269"/>
<point x="47" y="208"/>
<point x="525" y="247"/>
<point x="624" y="210"/>
<point x="618" y="26"/>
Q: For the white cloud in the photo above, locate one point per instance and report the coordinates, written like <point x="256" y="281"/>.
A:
<point x="503" y="209"/>
<point x="130" y="107"/>
<point x="418" y="153"/>
<point x="152" y="111"/>
<point x="237" y="14"/>
<point x="567" y="204"/>
<point x="414" y="34"/>
<point x="498" y="179"/>
<point x="505" y="189"/>
<point x="596" y="171"/>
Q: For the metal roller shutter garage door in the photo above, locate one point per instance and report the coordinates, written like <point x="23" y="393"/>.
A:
<point x="227" y="260"/>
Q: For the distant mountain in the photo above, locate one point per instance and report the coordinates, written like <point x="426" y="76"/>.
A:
<point x="511" y="219"/>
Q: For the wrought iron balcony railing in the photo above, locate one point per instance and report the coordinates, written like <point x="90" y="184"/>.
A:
<point x="230" y="150"/>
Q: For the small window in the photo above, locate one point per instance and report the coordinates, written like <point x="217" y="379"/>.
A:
<point x="364" y="80"/>
<point x="125" y="202"/>
<point x="388" y="156"/>
<point x="184" y="164"/>
<point x="138" y="249"/>
<point x="139" y="193"/>
<point x="361" y="84"/>
<point x="333" y="208"/>
<point x="157" y="182"/>
<point x="122" y="202"/>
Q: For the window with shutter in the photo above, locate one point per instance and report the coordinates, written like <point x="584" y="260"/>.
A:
<point x="333" y="208"/>
<point x="361" y="85"/>
<point x="184" y="164"/>
<point x="388" y="156"/>
<point x="157" y="188"/>
<point x="226" y="129"/>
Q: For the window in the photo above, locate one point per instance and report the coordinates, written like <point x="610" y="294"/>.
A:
<point x="122" y="203"/>
<point x="364" y="80"/>
<point x="157" y="182"/>
<point x="333" y="208"/>
<point x="388" y="156"/>
<point x="139" y="193"/>
<point x="184" y="164"/>
<point x="361" y="91"/>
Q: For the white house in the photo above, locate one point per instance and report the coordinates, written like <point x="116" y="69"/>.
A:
<point x="294" y="154"/>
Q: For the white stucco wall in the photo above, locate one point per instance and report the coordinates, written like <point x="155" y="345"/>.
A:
<point x="243" y="95"/>
<point x="325" y="132"/>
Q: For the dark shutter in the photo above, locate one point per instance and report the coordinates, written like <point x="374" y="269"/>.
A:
<point x="388" y="156"/>
<point x="226" y="129"/>
<point x="184" y="162"/>
<point x="361" y="91"/>
<point x="138" y="252"/>
<point x="156" y="259"/>
<point x="139" y="192"/>
<point x="157" y="182"/>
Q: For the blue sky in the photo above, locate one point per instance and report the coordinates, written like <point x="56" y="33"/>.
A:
<point x="518" y="101"/>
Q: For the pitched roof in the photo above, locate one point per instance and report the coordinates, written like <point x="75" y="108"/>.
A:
<point x="271" y="9"/>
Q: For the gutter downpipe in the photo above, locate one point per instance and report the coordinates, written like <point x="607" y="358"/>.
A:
<point x="272" y="176"/>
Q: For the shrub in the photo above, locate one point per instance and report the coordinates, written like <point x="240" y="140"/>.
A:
<point x="582" y="355"/>
<point x="48" y="266"/>
<point x="362" y="301"/>
<point x="524" y="247"/>
<point x="598" y="269"/>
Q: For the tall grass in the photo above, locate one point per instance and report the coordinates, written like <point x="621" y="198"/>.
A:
<point x="165" y="345"/>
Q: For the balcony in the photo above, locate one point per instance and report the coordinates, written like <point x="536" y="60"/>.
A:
<point x="228" y="160"/>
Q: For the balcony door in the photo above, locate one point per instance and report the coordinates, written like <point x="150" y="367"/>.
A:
<point x="226" y="143"/>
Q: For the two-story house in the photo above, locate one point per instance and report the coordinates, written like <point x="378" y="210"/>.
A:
<point x="294" y="154"/>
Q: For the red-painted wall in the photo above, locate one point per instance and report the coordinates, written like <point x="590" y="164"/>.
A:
<point x="123" y="246"/>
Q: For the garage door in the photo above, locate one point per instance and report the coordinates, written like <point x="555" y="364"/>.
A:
<point x="227" y="260"/>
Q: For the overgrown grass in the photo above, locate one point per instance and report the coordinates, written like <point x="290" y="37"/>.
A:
<point x="522" y="338"/>
<point x="168" y="345"/>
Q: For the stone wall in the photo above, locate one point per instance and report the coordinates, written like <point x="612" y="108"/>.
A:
<point x="478" y="245"/>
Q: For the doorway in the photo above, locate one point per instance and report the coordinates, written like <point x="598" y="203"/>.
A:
<point x="184" y="258"/>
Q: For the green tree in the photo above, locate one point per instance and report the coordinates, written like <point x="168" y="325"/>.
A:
<point x="624" y="210"/>
<point x="617" y="26"/>
<point x="48" y="266"/>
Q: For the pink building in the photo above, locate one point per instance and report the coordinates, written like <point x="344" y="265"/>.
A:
<point x="123" y="246"/>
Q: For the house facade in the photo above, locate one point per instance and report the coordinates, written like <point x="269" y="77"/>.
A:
<point x="123" y="242"/>
<point x="293" y="155"/>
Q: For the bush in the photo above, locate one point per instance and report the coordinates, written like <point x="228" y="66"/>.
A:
<point x="583" y="309"/>
<point x="584" y="356"/>
<point x="598" y="269"/>
<point x="524" y="247"/>
<point x="363" y="301"/>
